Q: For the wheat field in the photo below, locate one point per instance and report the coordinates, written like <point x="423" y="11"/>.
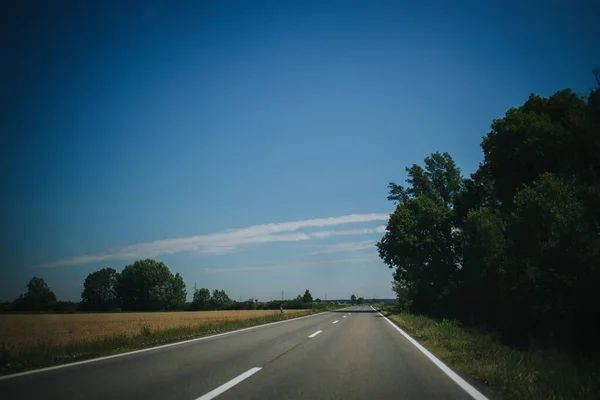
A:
<point x="22" y="332"/>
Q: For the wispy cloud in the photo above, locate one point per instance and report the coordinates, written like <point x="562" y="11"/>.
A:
<point x="231" y="240"/>
<point x="236" y="269"/>
<point x="305" y="264"/>
<point x="345" y="247"/>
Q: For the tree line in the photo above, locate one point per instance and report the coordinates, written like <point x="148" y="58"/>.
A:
<point x="145" y="285"/>
<point x="514" y="247"/>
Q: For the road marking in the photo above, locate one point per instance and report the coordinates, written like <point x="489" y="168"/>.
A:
<point x="315" y="334"/>
<point x="451" y="374"/>
<point x="35" y="371"/>
<point x="344" y="316"/>
<point x="214" y="393"/>
<point x="336" y="321"/>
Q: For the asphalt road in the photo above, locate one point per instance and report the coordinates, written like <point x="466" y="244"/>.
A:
<point x="353" y="353"/>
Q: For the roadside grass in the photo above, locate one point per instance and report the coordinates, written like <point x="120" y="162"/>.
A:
<point x="48" y="353"/>
<point x="546" y="374"/>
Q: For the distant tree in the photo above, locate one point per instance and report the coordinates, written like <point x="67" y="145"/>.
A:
<point x="360" y="300"/>
<point x="100" y="290"/>
<point x="201" y="299"/>
<point x="38" y="297"/>
<point x="353" y="298"/>
<point x="178" y="293"/>
<point x="250" y="304"/>
<point x="219" y="299"/>
<point x="66" y="306"/>
<point x="148" y="285"/>
<point x="307" y="298"/>
<point x="169" y="295"/>
<point x="317" y="300"/>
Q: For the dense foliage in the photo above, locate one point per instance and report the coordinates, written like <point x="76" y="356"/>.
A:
<point x="516" y="246"/>
<point x="38" y="297"/>
<point x="145" y="285"/>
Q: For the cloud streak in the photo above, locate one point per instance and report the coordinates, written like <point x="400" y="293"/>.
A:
<point x="345" y="247"/>
<point x="305" y="264"/>
<point x="231" y="240"/>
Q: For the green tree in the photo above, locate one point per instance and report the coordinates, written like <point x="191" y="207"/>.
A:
<point x="548" y="232"/>
<point x="421" y="239"/>
<point x="38" y="297"/>
<point x="201" y="300"/>
<point x="543" y="162"/>
<point x="149" y="285"/>
<point x="177" y="293"/>
<point x="307" y="298"/>
<point x="483" y="248"/>
<point x="360" y="300"/>
<point x="514" y="247"/>
<point x="219" y="299"/>
<point x="353" y="298"/>
<point x="99" y="291"/>
<point x="542" y="135"/>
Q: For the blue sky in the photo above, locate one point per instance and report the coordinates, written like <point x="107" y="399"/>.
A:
<point x="249" y="145"/>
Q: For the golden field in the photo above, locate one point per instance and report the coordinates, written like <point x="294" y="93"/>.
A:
<point x="21" y="332"/>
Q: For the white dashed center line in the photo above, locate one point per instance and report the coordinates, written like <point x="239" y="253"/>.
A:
<point x="336" y="321"/>
<point x="315" y="334"/>
<point x="226" y="386"/>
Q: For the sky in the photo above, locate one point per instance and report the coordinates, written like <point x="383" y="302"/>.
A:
<point x="248" y="145"/>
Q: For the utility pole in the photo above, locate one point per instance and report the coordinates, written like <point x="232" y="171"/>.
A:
<point x="282" y="295"/>
<point x="325" y="296"/>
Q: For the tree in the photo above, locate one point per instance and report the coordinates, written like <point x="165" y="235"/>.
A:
<point x="484" y="245"/>
<point x="201" y="300"/>
<point x="307" y="298"/>
<point x="548" y="232"/>
<point x="543" y="159"/>
<point x="219" y="299"/>
<point x="543" y="135"/>
<point x="178" y="293"/>
<point x="250" y="304"/>
<point x="148" y="285"/>
<point x="516" y="246"/>
<point x="361" y="300"/>
<point x="100" y="290"/>
<point x="421" y="239"/>
<point x="38" y="297"/>
<point x="353" y="299"/>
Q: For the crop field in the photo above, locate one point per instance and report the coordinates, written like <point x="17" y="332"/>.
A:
<point x="19" y="333"/>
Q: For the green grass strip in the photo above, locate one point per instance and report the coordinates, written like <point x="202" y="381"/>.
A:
<point x="544" y="374"/>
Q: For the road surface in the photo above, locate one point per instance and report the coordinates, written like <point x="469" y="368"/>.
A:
<point x="352" y="353"/>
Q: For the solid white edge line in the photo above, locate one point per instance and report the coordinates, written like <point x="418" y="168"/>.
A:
<point x="228" y="385"/>
<point x="163" y="346"/>
<point x="451" y="374"/>
<point x="336" y="321"/>
<point x="314" y="334"/>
